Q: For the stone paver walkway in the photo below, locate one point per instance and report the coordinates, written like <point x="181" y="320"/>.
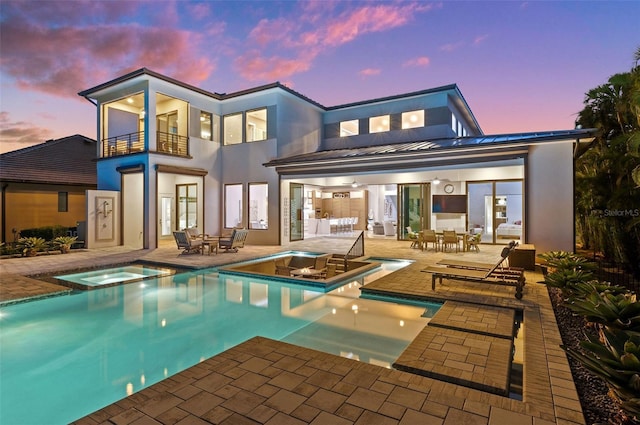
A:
<point x="268" y="382"/>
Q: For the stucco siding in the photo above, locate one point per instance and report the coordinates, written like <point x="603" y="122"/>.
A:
<point x="550" y="197"/>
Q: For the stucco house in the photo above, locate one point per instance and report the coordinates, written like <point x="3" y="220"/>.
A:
<point x="171" y="156"/>
<point x="46" y="184"/>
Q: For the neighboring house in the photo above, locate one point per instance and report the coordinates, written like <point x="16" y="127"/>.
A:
<point x="270" y="159"/>
<point x="46" y="184"/>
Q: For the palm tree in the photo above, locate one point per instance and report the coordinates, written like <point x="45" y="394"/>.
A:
<point x="608" y="174"/>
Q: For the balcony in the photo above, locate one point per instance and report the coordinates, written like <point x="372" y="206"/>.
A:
<point x="125" y="144"/>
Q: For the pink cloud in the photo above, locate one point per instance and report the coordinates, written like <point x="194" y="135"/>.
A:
<point x="369" y="72"/>
<point x="318" y="27"/>
<point x="480" y="39"/>
<point x="19" y="134"/>
<point x="420" y="61"/>
<point x="253" y="66"/>
<point x="63" y="60"/>
<point x="450" y="47"/>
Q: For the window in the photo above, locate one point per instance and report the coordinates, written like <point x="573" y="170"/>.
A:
<point x="232" y="129"/>
<point x="233" y="205"/>
<point x="379" y="124"/>
<point x="349" y="128"/>
<point x="258" y="203"/>
<point x="187" y="199"/>
<point x="63" y="201"/>
<point x="206" y="125"/>
<point x="413" y="119"/>
<point x="257" y="125"/>
<point x="454" y="124"/>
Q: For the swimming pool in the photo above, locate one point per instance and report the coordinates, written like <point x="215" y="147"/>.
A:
<point x="65" y="357"/>
<point x="114" y="275"/>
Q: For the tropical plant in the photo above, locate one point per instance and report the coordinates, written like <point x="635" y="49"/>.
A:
<point x="63" y="243"/>
<point x="615" y="359"/>
<point x="30" y="246"/>
<point x="566" y="279"/>
<point x="613" y="311"/>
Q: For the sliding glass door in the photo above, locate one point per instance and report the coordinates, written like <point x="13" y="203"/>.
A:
<point x="414" y="208"/>
<point x="496" y="210"/>
<point x="296" y="206"/>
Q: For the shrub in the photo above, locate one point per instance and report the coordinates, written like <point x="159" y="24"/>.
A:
<point x="47" y="233"/>
<point x="30" y="246"/>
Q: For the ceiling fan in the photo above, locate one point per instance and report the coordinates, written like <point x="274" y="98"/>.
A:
<point x="353" y="184"/>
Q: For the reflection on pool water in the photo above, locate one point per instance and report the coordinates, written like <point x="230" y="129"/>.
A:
<point x="65" y="357"/>
<point x="114" y="275"/>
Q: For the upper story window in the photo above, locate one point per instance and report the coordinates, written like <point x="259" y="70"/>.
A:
<point x="233" y="129"/>
<point x="379" y="124"/>
<point x="257" y="125"/>
<point x="413" y="119"/>
<point x="206" y="125"/>
<point x="349" y="128"/>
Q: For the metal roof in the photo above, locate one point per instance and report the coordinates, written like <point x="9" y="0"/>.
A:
<point x="443" y="147"/>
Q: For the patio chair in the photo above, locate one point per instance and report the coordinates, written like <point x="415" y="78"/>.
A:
<point x="187" y="244"/>
<point x="194" y="233"/>
<point x="235" y="241"/>
<point x="450" y="239"/>
<point x="282" y="266"/>
<point x="413" y="236"/>
<point x="429" y="236"/>
<point x="511" y="277"/>
<point x="474" y="242"/>
<point x="329" y="271"/>
<point x="320" y="262"/>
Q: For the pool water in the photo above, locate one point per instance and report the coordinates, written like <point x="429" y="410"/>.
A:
<point x="65" y="357"/>
<point x="113" y="275"/>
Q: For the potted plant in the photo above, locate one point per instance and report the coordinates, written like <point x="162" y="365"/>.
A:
<point x="63" y="243"/>
<point x="30" y="246"/>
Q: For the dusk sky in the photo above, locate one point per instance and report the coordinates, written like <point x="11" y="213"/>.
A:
<point x="521" y="65"/>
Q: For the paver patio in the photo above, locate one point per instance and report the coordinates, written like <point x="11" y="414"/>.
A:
<point x="270" y="382"/>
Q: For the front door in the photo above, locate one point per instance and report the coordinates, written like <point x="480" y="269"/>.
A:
<point x="166" y="216"/>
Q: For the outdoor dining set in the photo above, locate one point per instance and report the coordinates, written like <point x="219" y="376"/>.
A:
<point x="444" y="240"/>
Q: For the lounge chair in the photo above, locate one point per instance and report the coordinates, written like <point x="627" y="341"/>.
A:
<point x="510" y="276"/>
<point x="235" y="241"/>
<point x="472" y="265"/>
<point x="187" y="244"/>
<point x="194" y="233"/>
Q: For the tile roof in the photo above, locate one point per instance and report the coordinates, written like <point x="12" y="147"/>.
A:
<point x="69" y="160"/>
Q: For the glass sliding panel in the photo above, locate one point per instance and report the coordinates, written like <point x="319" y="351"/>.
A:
<point x="187" y="200"/>
<point x="232" y="129"/>
<point x="296" y="220"/>
<point x="413" y="208"/>
<point x="480" y="209"/>
<point x="508" y="211"/>
<point x="233" y="205"/>
<point x="258" y="203"/>
<point x="257" y="125"/>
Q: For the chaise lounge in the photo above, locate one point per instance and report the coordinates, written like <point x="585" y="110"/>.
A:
<point x="504" y="276"/>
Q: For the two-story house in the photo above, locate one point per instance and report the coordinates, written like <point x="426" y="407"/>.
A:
<point x="269" y="159"/>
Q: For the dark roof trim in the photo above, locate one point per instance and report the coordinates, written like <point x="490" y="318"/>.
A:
<point x="396" y="96"/>
<point x="130" y="169"/>
<point x="161" y="168"/>
<point x="218" y="96"/>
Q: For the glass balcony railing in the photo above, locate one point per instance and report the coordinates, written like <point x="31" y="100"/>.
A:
<point x="126" y="144"/>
